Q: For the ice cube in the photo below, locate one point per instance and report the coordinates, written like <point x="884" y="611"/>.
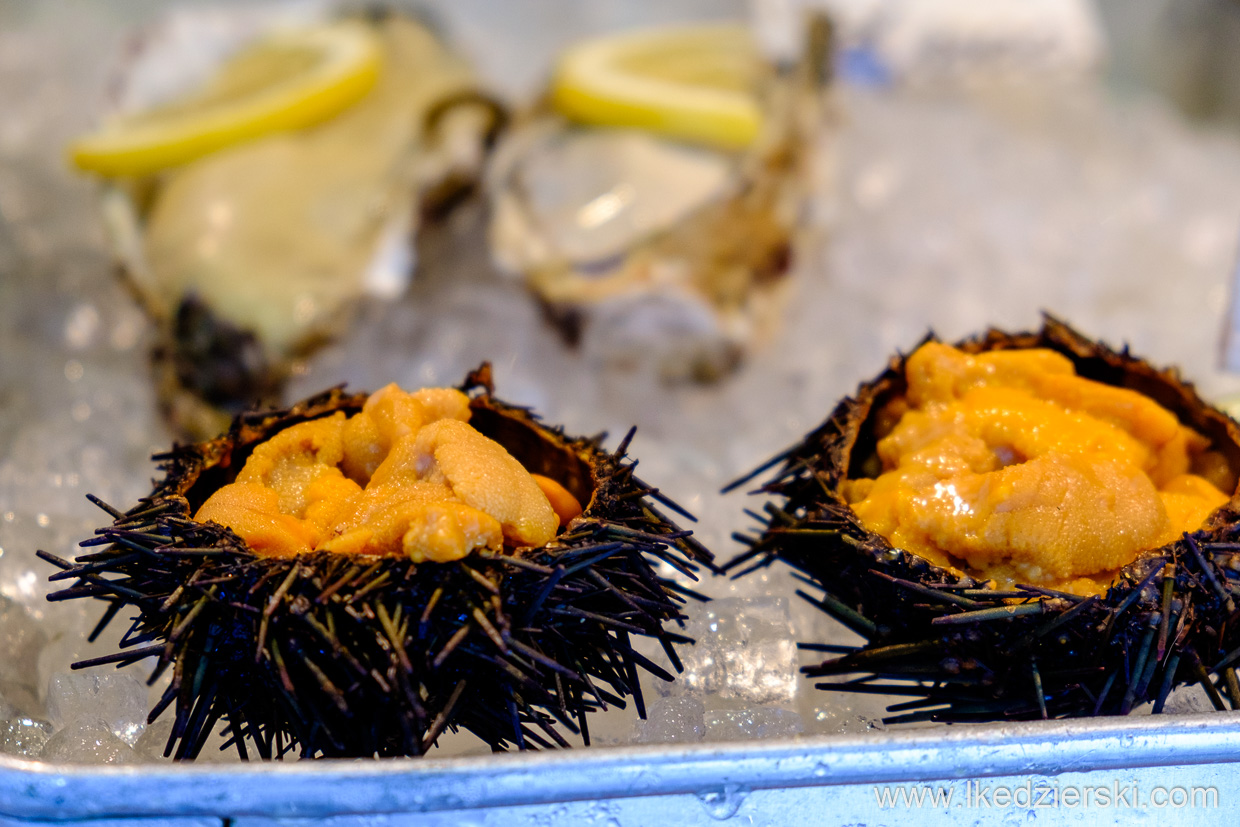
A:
<point x="154" y="737"/>
<point x="24" y="736"/>
<point x="752" y="723"/>
<point x="118" y="698"/>
<point x="67" y="641"/>
<point x="88" y="741"/>
<point x="835" y="713"/>
<point x="21" y="638"/>
<point x="744" y="651"/>
<point x="679" y="718"/>
<point x="615" y="726"/>
<point x="23" y="576"/>
<point x="1188" y="700"/>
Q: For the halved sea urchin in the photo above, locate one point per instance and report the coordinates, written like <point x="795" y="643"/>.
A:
<point x="339" y="654"/>
<point x="967" y="642"/>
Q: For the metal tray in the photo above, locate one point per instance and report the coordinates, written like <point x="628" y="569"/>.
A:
<point x="1141" y="770"/>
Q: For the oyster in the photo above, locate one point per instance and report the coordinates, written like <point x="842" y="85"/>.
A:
<point x="250" y="256"/>
<point x="377" y="652"/>
<point x="662" y="246"/>
<point x="1011" y="640"/>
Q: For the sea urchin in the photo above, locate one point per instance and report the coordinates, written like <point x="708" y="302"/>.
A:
<point x="967" y="642"/>
<point x="336" y="654"/>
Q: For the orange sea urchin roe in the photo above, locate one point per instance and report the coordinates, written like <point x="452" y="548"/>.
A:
<point x="408" y="475"/>
<point x="1011" y="466"/>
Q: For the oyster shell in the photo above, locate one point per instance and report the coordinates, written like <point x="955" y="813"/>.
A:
<point x="649" y="251"/>
<point x="249" y="257"/>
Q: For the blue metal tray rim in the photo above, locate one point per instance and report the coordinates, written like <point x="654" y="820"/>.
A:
<point x="34" y="790"/>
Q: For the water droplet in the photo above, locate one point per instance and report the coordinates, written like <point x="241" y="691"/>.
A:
<point x="722" y="804"/>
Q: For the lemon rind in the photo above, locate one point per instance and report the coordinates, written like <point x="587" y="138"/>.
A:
<point x="592" y="87"/>
<point x="353" y="61"/>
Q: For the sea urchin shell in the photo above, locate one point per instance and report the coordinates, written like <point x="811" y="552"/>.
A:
<point x="964" y="650"/>
<point x="342" y="655"/>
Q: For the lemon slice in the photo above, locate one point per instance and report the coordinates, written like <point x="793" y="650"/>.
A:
<point x="288" y="80"/>
<point x="696" y="84"/>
